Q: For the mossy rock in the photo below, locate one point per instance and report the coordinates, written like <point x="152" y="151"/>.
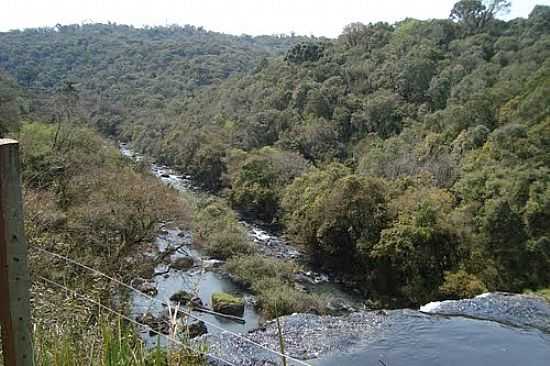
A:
<point x="227" y="304"/>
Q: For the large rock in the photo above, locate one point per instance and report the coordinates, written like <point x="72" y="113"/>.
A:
<point x="183" y="263"/>
<point x="227" y="304"/>
<point x="144" y="286"/>
<point x="183" y="297"/>
<point x="156" y="324"/>
<point x="197" y="329"/>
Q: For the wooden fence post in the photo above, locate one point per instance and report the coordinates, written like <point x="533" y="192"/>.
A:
<point x="15" y="318"/>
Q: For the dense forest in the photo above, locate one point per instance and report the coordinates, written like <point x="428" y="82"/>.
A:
<point x="124" y="73"/>
<point x="412" y="158"/>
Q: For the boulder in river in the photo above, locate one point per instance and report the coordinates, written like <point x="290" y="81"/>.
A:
<point x="156" y="324"/>
<point x="144" y="286"/>
<point x="183" y="263"/>
<point x="196" y="329"/>
<point x="227" y="304"/>
<point x="183" y="297"/>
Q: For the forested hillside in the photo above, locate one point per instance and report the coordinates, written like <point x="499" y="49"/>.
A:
<point x="124" y="73"/>
<point x="413" y="158"/>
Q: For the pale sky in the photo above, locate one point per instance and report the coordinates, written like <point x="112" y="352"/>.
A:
<point x="254" y="17"/>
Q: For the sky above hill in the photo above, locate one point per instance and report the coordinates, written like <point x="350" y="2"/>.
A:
<point x="254" y="17"/>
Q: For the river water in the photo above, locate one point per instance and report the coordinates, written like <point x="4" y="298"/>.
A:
<point x="492" y="329"/>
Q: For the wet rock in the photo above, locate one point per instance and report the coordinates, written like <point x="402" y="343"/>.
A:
<point x="213" y="263"/>
<point x="156" y="324"/>
<point x="183" y="297"/>
<point x="339" y="306"/>
<point x="514" y="309"/>
<point x="144" y="286"/>
<point x="196" y="329"/>
<point x="227" y="304"/>
<point x="164" y="175"/>
<point x="183" y="263"/>
<point x="146" y="318"/>
<point x="301" y="277"/>
<point x="196" y="302"/>
<point x="311" y="277"/>
<point x="307" y="336"/>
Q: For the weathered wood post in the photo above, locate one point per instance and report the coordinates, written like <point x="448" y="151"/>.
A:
<point x="15" y="281"/>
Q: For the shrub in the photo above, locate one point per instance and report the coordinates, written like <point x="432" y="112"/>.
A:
<point x="461" y="285"/>
<point x="252" y="268"/>
<point x="278" y="298"/>
<point x="223" y="245"/>
<point x="272" y="282"/>
<point x="216" y="226"/>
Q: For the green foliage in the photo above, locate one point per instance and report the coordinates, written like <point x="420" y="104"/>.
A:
<point x="207" y="166"/>
<point x="108" y="205"/>
<point x="304" y="52"/>
<point x="11" y="105"/>
<point x="475" y="15"/>
<point x="301" y="196"/>
<point x="399" y="155"/>
<point x="249" y="269"/>
<point x="258" y="179"/>
<point x="333" y="215"/>
<point x="381" y="115"/>
<point x="414" y="253"/>
<point x="226" y="298"/>
<point x="545" y="293"/>
<point x="216" y="226"/>
<point x="273" y="283"/>
<point x="461" y="285"/>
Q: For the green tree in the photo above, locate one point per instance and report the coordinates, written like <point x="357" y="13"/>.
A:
<point x="475" y="14"/>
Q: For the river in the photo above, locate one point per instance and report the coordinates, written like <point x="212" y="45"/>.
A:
<point x="492" y="329"/>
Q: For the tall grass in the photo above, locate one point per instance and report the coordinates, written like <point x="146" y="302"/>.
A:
<point x="107" y="344"/>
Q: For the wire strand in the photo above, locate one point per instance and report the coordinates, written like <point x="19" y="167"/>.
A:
<point x="189" y="314"/>
<point x="171" y="339"/>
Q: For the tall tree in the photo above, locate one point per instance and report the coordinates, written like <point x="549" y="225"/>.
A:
<point x="475" y="14"/>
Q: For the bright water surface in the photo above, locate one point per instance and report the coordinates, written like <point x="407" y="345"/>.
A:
<point x="415" y="339"/>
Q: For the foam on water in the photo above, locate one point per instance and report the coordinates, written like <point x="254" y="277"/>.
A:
<point x="430" y="307"/>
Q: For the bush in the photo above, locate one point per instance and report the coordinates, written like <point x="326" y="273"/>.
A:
<point x="257" y="181"/>
<point x="273" y="283"/>
<point x="461" y="285"/>
<point x="217" y="227"/>
<point x="251" y="268"/>
<point x="278" y="298"/>
<point x="223" y="245"/>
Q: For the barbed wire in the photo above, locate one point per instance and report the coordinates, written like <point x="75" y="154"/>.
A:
<point x="189" y="314"/>
<point x="127" y="318"/>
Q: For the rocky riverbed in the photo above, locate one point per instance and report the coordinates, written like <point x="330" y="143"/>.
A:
<point x="492" y="329"/>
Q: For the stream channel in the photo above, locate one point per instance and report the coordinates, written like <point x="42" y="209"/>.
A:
<point x="492" y="329"/>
